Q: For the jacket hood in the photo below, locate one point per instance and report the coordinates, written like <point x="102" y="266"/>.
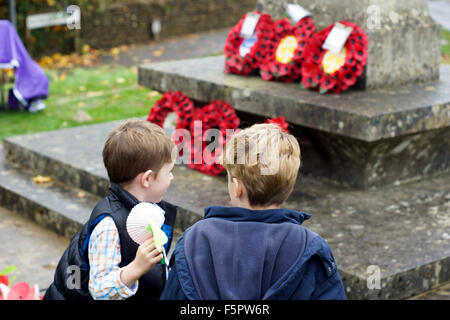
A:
<point x="234" y="247"/>
<point x="267" y="216"/>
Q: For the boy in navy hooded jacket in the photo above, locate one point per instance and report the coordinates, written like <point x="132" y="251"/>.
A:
<point x="255" y="250"/>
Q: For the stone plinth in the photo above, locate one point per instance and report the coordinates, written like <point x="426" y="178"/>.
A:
<point x="359" y="138"/>
<point x="404" y="41"/>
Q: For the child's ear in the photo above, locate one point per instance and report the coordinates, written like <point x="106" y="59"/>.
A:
<point x="146" y="178"/>
<point x="238" y="187"/>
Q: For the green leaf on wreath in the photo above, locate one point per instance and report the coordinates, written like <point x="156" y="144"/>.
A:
<point x="8" y="270"/>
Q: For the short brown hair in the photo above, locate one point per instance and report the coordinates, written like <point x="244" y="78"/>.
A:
<point x="252" y="151"/>
<point x="134" y="147"/>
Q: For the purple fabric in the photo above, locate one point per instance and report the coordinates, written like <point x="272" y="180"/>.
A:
<point x="31" y="82"/>
<point x="12" y="100"/>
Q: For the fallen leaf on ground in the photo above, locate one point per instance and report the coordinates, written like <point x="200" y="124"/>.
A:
<point x="63" y="76"/>
<point x="94" y="93"/>
<point x="89" y="57"/>
<point x="153" y="94"/>
<point x="86" y="48"/>
<point x="114" y="51"/>
<point x="192" y="36"/>
<point x="81" y="116"/>
<point x="42" y="179"/>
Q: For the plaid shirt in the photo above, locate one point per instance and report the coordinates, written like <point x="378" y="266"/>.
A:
<point x="104" y="260"/>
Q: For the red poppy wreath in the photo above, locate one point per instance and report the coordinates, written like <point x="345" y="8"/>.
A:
<point x="326" y="71"/>
<point x="170" y="102"/>
<point x="244" y="54"/>
<point x="281" y="121"/>
<point x="287" y="51"/>
<point x="219" y="115"/>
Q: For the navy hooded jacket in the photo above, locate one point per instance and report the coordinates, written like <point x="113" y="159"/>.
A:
<point x="237" y="253"/>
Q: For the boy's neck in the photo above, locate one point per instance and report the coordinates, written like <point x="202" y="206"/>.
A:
<point x="134" y="191"/>
<point x="248" y="206"/>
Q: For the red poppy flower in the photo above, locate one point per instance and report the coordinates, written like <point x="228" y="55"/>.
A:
<point x="347" y="79"/>
<point x="219" y="115"/>
<point x="242" y="56"/>
<point x="325" y="71"/>
<point x="281" y="121"/>
<point x="287" y="50"/>
<point x="20" y="291"/>
<point x="170" y="102"/>
<point x="4" y="279"/>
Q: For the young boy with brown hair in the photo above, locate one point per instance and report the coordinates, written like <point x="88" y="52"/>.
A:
<point x="255" y="249"/>
<point x="138" y="158"/>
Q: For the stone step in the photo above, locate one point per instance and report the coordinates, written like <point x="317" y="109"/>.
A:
<point x="55" y="206"/>
<point x="440" y="293"/>
<point x="403" y="230"/>
<point x="34" y="250"/>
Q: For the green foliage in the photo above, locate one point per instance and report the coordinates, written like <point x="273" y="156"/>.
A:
<point x="446" y="46"/>
<point x="7" y="271"/>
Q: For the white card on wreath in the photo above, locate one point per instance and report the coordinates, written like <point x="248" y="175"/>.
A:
<point x="337" y="38"/>
<point x="247" y="45"/>
<point x="249" y="25"/>
<point x="297" y="12"/>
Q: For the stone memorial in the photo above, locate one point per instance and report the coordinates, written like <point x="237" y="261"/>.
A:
<point x="404" y="40"/>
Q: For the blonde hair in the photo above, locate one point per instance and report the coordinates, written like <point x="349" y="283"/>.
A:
<point x="134" y="147"/>
<point x="266" y="160"/>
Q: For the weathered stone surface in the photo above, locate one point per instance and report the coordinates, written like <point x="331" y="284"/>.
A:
<point x="440" y="293"/>
<point x="358" y="138"/>
<point x="34" y="250"/>
<point x="404" y="41"/>
<point x="53" y="205"/>
<point x="404" y="230"/>
<point x="364" y="165"/>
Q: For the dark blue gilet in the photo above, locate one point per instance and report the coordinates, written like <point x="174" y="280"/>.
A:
<point x="117" y="205"/>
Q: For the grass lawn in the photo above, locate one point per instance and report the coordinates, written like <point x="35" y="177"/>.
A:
<point x="446" y="46"/>
<point x="82" y="96"/>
